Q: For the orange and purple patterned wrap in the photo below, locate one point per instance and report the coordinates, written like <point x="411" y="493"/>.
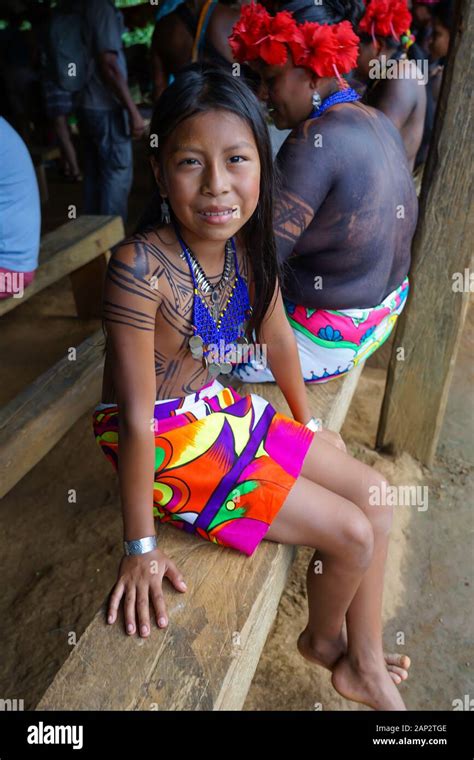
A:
<point x="224" y="463"/>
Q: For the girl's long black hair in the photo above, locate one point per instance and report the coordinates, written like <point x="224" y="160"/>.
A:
<point x="200" y="88"/>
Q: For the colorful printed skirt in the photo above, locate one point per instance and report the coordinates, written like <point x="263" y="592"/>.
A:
<point x="331" y="343"/>
<point x="224" y="463"/>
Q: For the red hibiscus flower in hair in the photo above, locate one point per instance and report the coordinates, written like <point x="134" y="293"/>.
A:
<point x="386" y="18"/>
<point x="347" y="51"/>
<point x="257" y="34"/>
<point x="247" y="32"/>
<point x="326" y="49"/>
<point x="274" y="49"/>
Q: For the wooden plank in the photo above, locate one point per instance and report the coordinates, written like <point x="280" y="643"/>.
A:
<point x="430" y="326"/>
<point x="207" y="657"/>
<point x="87" y="287"/>
<point x="68" y="248"/>
<point x="195" y="664"/>
<point x="33" y="422"/>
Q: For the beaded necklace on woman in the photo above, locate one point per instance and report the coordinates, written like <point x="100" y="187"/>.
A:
<point x="211" y="326"/>
<point x="341" y="96"/>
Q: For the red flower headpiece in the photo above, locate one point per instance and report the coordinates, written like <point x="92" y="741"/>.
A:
<point x="327" y="50"/>
<point x="386" y="18"/>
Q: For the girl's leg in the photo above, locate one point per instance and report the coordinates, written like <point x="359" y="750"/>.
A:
<point x="333" y="468"/>
<point x="314" y="516"/>
<point x="397" y="664"/>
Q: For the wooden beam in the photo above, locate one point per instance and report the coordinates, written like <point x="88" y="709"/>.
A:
<point x="207" y="657"/>
<point x="68" y="248"/>
<point x="33" y="422"/>
<point x="430" y="326"/>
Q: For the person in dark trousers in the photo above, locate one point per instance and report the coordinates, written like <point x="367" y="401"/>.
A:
<point x="108" y="117"/>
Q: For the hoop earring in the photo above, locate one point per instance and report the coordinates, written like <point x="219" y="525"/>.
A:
<point x="165" y="211"/>
<point x="316" y="100"/>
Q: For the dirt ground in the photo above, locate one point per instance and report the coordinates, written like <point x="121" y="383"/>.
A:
<point x="59" y="560"/>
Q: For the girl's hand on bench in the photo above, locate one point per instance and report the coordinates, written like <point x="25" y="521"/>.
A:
<point x="140" y="577"/>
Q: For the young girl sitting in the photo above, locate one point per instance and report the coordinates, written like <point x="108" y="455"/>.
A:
<point x="197" y="455"/>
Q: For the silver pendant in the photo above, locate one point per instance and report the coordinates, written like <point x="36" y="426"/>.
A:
<point x="225" y="368"/>
<point x="214" y="369"/>
<point x="196" y="345"/>
<point x="196" y="342"/>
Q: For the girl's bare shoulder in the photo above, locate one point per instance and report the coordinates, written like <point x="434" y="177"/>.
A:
<point x="149" y="255"/>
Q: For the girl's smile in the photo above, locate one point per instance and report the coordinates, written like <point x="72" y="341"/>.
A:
<point x="216" y="214"/>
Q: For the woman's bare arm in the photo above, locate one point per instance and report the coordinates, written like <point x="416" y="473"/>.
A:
<point x="283" y="357"/>
<point x="130" y="305"/>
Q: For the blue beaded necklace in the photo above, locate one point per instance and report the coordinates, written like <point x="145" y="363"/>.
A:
<point x="230" y="324"/>
<point x="341" y="96"/>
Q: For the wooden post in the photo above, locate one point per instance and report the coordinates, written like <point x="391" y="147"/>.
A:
<point x="430" y="326"/>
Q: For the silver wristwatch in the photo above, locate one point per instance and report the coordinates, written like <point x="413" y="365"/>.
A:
<point x="314" y="424"/>
<point x="140" y="545"/>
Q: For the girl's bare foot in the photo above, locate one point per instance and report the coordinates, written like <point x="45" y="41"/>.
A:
<point x="369" y="684"/>
<point x="397" y="664"/>
<point x="326" y="653"/>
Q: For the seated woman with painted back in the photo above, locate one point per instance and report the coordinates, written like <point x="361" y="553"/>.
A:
<point x="346" y="210"/>
<point x="395" y="84"/>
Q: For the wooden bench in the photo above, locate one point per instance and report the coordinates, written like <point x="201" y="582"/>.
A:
<point x="80" y="248"/>
<point x="206" y="658"/>
<point x="35" y="420"/>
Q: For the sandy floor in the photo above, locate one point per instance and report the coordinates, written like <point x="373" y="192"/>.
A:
<point x="58" y="560"/>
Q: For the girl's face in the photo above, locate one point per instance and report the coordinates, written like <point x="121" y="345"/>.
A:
<point x="439" y="42"/>
<point x="211" y="163"/>
<point x="288" y="91"/>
